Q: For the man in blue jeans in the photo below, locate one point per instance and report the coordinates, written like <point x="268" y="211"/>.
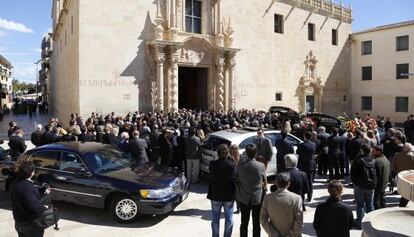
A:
<point x="221" y="190"/>
<point x="363" y="175"/>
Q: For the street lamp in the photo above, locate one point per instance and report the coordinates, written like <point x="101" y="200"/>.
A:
<point x="37" y="77"/>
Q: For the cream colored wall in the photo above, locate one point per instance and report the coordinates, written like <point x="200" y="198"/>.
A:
<point x="112" y="53"/>
<point x="384" y="86"/>
<point x="270" y="62"/>
<point x="64" y="82"/>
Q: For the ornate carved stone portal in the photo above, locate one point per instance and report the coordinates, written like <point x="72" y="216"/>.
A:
<point x="310" y="87"/>
<point x="171" y="47"/>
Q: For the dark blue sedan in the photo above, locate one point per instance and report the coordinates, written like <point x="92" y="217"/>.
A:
<point x="97" y="175"/>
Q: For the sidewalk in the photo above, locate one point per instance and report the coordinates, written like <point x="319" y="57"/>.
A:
<point x="24" y="121"/>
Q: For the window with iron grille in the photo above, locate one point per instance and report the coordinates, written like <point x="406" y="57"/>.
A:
<point x="366" y="103"/>
<point x="193" y="16"/>
<point x="402" y="71"/>
<point x="367" y="73"/>
<point x="334" y="37"/>
<point x="279" y="24"/>
<point x="401" y="104"/>
<point x="366" y="47"/>
<point x="278" y="96"/>
<point x="403" y="43"/>
<point x="311" y="32"/>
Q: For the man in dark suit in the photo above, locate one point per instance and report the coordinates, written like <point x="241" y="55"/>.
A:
<point x="306" y="161"/>
<point x="138" y="148"/>
<point x="36" y="137"/>
<point x="26" y="202"/>
<point x="263" y="146"/>
<point x="108" y="137"/>
<point x="283" y="147"/>
<point x="84" y="136"/>
<point x="249" y="190"/>
<point x="49" y="136"/>
<point x="298" y="178"/>
<point x="323" y="152"/>
<point x="17" y="144"/>
<point x="334" y="146"/>
<point x="221" y="190"/>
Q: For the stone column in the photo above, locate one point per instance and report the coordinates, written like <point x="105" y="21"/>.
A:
<point x="220" y="37"/>
<point x="174" y="83"/>
<point x="173" y="20"/>
<point x="160" y="80"/>
<point x="220" y="81"/>
<point x="231" y="64"/>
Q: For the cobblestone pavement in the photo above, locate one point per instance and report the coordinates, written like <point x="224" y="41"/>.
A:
<point x="24" y="121"/>
<point x="191" y="218"/>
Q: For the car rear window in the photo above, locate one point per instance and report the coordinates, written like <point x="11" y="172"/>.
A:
<point x="212" y="143"/>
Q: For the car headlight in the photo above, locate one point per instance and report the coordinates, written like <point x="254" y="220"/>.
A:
<point x="156" y="193"/>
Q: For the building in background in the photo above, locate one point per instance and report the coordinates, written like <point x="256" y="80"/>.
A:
<point x="44" y="73"/>
<point x="6" y="87"/>
<point x="164" y="55"/>
<point x="382" y="71"/>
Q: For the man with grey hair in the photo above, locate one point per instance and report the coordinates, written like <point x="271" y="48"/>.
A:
<point x="323" y="151"/>
<point x="298" y="179"/>
<point x="36" y="136"/>
<point x="281" y="213"/>
<point x="138" y="148"/>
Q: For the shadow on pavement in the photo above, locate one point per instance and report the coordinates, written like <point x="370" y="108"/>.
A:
<point x="89" y="215"/>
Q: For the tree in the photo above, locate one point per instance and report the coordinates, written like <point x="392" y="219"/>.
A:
<point x="23" y="87"/>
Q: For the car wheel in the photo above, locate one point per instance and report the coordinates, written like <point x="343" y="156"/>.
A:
<point x="124" y="209"/>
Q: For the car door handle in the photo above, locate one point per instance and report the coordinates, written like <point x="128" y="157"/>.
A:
<point x="61" y="178"/>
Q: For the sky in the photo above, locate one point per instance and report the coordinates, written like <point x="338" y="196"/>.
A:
<point x="23" y="23"/>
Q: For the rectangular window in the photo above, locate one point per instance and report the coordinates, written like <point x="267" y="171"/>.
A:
<point x="403" y="43"/>
<point x="402" y="71"/>
<point x="366" y="47"/>
<point x="367" y="73"/>
<point x="401" y="104"/>
<point x="366" y="103"/>
<point x="66" y="37"/>
<point x="334" y="37"/>
<point x="311" y="32"/>
<point x="278" y="96"/>
<point x="193" y="16"/>
<point x="278" y="24"/>
<point x="71" y="24"/>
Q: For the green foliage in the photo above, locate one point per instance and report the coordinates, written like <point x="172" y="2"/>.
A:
<point x="23" y="86"/>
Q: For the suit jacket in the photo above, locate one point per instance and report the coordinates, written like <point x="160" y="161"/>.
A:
<point x="192" y="148"/>
<point x="382" y="167"/>
<point x="403" y="161"/>
<point x="138" y="148"/>
<point x="17" y="146"/>
<point x="334" y="147"/>
<point x="36" y="138"/>
<point x="84" y="137"/>
<point x="264" y="147"/>
<point x="323" y="137"/>
<point x="283" y="147"/>
<point x="298" y="182"/>
<point x="109" y="138"/>
<point x="333" y="218"/>
<point x="282" y="214"/>
<point x="222" y="180"/>
<point x="249" y="184"/>
<point x="49" y="138"/>
<point x="306" y="162"/>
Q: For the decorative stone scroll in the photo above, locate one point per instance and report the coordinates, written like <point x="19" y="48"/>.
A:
<point x="310" y="84"/>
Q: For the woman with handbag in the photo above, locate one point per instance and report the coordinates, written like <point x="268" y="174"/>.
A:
<point x="27" y="202"/>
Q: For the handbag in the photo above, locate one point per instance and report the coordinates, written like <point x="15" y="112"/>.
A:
<point x="47" y="219"/>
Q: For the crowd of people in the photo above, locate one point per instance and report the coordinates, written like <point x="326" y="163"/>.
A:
<point x="361" y="156"/>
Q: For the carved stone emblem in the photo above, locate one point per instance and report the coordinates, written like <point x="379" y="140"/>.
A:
<point x="190" y="56"/>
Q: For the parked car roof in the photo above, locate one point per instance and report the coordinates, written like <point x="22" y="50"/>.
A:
<point x="79" y="147"/>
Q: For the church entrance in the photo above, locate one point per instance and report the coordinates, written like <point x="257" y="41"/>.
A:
<point x="192" y="87"/>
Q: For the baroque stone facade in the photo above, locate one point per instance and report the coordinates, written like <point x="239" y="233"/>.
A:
<point x="137" y="53"/>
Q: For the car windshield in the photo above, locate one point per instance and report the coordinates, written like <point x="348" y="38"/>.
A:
<point x="106" y="160"/>
<point x="213" y="142"/>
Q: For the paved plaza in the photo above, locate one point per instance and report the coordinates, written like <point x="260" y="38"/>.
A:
<point x="191" y="218"/>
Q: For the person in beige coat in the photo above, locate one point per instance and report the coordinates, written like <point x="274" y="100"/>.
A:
<point x="281" y="213"/>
